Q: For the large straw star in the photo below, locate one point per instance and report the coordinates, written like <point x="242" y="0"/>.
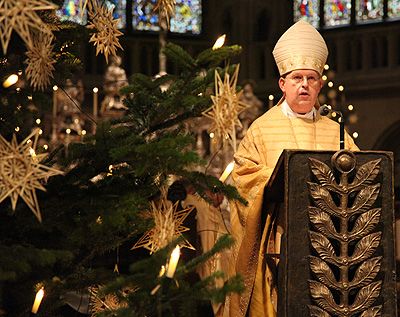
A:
<point x="168" y="225"/>
<point x="21" y="172"/>
<point x="226" y="108"/>
<point x="20" y="16"/>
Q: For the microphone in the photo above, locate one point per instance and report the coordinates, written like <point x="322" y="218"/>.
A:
<point x="324" y="111"/>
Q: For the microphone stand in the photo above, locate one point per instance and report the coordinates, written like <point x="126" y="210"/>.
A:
<point x="341" y="125"/>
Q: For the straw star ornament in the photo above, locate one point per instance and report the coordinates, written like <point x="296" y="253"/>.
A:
<point x="168" y="225"/>
<point x="226" y="108"/>
<point x="166" y="8"/>
<point x="40" y="62"/>
<point x="106" y="34"/>
<point x="21" y="16"/>
<point x="21" y="172"/>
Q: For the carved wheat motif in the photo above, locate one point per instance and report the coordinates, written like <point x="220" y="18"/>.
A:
<point x="356" y="226"/>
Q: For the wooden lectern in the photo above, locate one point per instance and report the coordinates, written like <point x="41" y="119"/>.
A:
<point x="337" y="253"/>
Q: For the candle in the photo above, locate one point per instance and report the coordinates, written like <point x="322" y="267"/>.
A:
<point x="227" y="172"/>
<point x="38" y="300"/>
<point x="55" y="88"/>
<point x="95" y="101"/>
<point x="173" y="262"/>
<point x="95" y="107"/>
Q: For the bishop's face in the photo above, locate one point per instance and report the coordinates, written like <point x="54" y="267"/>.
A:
<point x="301" y="88"/>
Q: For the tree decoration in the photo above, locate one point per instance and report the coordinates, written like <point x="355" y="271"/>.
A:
<point x="166" y="8"/>
<point x="168" y="225"/>
<point x="100" y="303"/>
<point x="21" y="172"/>
<point x="40" y="62"/>
<point x="106" y="34"/>
<point x="20" y="16"/>
<point x="226" y="108"/>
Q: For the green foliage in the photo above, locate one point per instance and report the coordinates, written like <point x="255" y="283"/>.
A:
<point x="95" y="211"/>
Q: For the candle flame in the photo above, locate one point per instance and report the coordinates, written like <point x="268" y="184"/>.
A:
<point x="11" y="80"/>
<point x="219" y="42"/>
<point x="228" y="170"/>
<point x="38" y="300"/>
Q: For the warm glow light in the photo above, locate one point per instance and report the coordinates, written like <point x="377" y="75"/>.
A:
<point x="324" y="77"/>
<point x="55" y="88"/>
<point x="45" y="146"/>
<point x="227" y="172"/>
<point x="334" y="114"/>
<point x="212" y="135"/>
<point x="38" y="121"/>
<point x="162" y="271"/>
<point x="16" y="129"/>
<point x="340" y="120"/>
<point x="350" y="107"/>
<point x="68" y="131"/>
<point x="219" y="42"/>
<point x="355" y="135"/>
<point x="326" y="67"/>
<point x="330" y="84"/>
<point x="11" y="80"/>
<point x="271" y="97"/>
<point x="341" y="88"/>
<point x="83" y="132"/>
<point x="38" y="300"/>
<point x="29" y="97"/>
<point x="95" y="90"/>
<point x="173" y="262"/>
<point x="40" y="131"/>
<point x="329" y="106"/>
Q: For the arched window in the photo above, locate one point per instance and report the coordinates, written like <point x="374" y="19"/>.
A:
<point x="333" y="13"/>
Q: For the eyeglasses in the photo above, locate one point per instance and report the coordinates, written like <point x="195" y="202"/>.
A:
<point x="299" y="79"/>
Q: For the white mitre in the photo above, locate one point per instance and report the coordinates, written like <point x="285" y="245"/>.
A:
<point x="300" y="47"/>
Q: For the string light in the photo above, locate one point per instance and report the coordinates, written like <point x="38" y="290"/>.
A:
<point x="324" y="77"/>
<point x="11" y="80"/>
<point x="341" y="88"/>
<point x="55" y="87"/>
<point x="68" y="131"/>
<point x="45" y="146"/>
<point x="271" y="97"/>
<point x="330" y="84"/>
<point x="350" y="107"/>
<point x="355" y="135"/>
<point x="38" y="121"/>
<point x="16" y="129"/>
<point x="326" y="67"/>
<point x="212" y="135"/>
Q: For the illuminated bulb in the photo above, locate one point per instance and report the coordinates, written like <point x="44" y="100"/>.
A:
<point x="32" y="152"/>
<point x="212" y="135"/>
<point x="45" y="146"/>
<point x="83" y="132"/>
<point x="29" y="141"/>
<point x="68" y="131"/>
<point x="326" y="67"/>
<point x="350" y="107"/>
<point x="340" y="120"/>
<point x="29" y="97"/>
<point x="55" y="88"/>
<point x="19" y="73"/>
<point x="11" y="80"/>
<point x="341" y="88"/>
<point x="329" y="106"/>
<point x="271" y="97"/>
<point x="76" y="120"/>
<point x="38" y="121"/>
<point x="355" y="135"/>
<point x="95" y="90"/>
<point x="324" y="77"/>
<point x="18" y="89"/>
<point x="334" y="114"/>
<point x="40" y="131"/>
<point x="219" y="42"/>
<point x="330" y="84"/>
<point x="16" y="129"/>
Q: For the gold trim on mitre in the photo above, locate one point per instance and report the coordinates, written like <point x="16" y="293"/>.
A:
<point x="300" y="47"/>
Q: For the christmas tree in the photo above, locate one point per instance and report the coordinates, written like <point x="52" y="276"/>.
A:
<point x="73" y="240"/>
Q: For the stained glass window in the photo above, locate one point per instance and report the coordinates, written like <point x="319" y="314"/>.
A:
<point x="337" y="12"/>
<point x="70" y="12"/>
<point x="369" y="10"/>
<point x="394" y="8"/>
<point x="187" y="17"/>
<point x="307" y="10"/>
